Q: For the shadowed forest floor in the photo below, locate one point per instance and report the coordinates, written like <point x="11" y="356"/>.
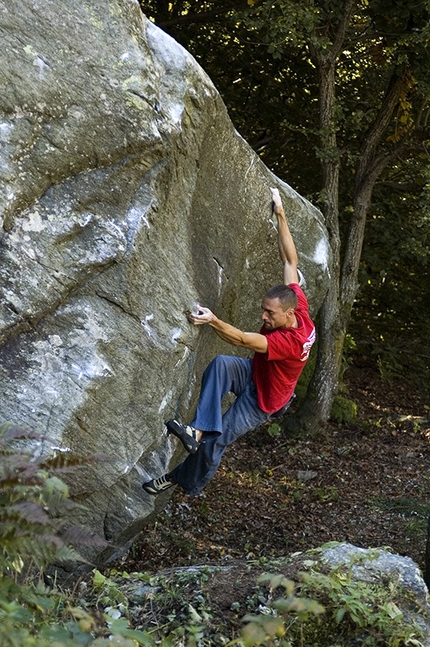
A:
<point x="367" y="483"/>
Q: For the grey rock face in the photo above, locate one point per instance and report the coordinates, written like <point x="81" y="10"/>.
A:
<point x="126" y="196"/>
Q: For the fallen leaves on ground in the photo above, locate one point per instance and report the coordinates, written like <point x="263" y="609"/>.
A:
<point x="367" y="483"/>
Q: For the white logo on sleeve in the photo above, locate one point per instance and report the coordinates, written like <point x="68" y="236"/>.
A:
<point x="307" y="346"/>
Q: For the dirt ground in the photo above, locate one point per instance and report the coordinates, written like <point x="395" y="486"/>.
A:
<point x="367" y="483"/>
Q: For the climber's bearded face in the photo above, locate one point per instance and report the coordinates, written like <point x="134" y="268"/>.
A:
<point x="274" y="316"/>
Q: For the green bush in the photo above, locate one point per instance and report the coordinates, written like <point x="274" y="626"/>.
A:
<point x="326" y="609"/>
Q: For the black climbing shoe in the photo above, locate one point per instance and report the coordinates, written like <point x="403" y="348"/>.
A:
<point x="156" y="486"/>
<point x="186" y="434"/>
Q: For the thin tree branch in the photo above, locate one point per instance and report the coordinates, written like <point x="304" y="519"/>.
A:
<point x="401" y="187"/>
<point x="339" y="39"/>
<point x="379" y="125"/>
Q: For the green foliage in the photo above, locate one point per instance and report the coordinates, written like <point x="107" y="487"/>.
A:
<point x="392" y="313"/>
<point x="343" y="410"/>
<point x="172" y="609"/>
<point x="30" y="490"/>
<point x="31" y="495"/>
<point x="326" y="494"/>
<point x="274" y="430"/>
<point x="175" y="609"/>
<point x="261" y="629"/>
<point x="323" y="607"/>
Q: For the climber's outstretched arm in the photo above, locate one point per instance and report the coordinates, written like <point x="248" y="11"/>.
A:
<point x="287" y="248"/>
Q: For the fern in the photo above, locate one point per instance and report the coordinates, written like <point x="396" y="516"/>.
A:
<point x="32" y="500"/>
<point x="31" y="496"/>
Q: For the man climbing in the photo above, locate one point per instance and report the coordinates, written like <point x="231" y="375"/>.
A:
<point x="263" y="386"/>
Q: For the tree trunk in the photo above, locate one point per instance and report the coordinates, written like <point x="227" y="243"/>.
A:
<point x="333" y="320"/>
<point x="315" y="409"/>
<point x="335" y="312"/>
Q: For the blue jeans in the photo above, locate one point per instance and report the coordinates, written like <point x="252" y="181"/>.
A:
<point x="223" y="375"/>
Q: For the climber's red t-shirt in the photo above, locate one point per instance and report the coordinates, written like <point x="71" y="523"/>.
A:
<point x="276" y="372"/>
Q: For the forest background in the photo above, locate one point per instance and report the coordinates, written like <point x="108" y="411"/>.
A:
<point x="335" y="98"/>
<point x="334" y="95"/>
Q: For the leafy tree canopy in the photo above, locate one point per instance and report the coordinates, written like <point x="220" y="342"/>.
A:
<point x="265" y="57"/>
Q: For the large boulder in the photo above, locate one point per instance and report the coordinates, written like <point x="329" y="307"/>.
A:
<point x="126" y="196"/>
